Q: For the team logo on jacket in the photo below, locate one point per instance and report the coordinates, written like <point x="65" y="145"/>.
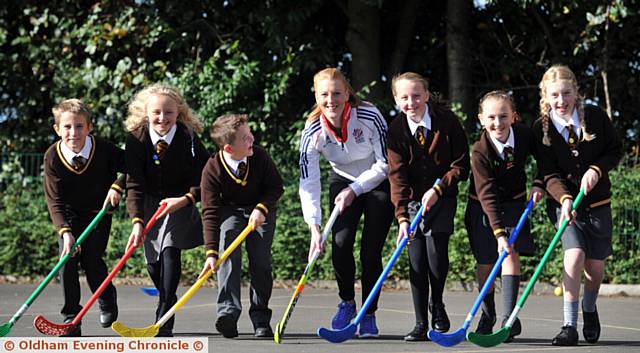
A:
<point x="358" y="135"/>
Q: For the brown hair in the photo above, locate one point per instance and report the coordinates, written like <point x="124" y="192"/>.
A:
<point x="409" y="76"/>
<point x="558" y="73"/>
<point x="138" y="108"/>
<point x="72" y="105"/>
<point x="223" y="131"/>
<point x="502" y="95"/>
<point x="332" y="73"/>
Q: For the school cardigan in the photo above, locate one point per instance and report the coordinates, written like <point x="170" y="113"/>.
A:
<point x="83" y="190"/>
<point x="495" y="180"/>
<point x="601" y="154"/>
<point x="261" y="190"/>
<point x="414" y="168"/>
<point x="177" y="174"/>
<point x="359" y="155"/>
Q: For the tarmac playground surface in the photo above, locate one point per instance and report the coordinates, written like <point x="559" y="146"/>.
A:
<point x="541" y="319"/>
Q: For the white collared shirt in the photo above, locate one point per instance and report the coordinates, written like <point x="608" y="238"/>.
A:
<point x="69" y="154"/>
<point x="155" y="137"/>
<point x="426" y="121"/>
<point x="561" y="124"/>
<point x="232" y="163"/>
<point x="500" y="146"/>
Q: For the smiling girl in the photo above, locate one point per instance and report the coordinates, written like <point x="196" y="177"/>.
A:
<point x="351" y="135"/>
<point x="426" y="142"/>
<point x="578" y="142"/>
<point x="164" y="158"/>
<point x="497" y="197"/>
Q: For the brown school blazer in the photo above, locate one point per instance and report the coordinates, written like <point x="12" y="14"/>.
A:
<point x="601" y="154"/>
<point x="414" y="168"/>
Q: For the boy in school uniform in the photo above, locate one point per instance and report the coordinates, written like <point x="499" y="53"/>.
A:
<point x="497" y="198"/>
<point x="240" y="185"/>
<point x="80" y="172"/>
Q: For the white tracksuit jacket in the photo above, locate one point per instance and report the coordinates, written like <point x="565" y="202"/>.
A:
<point x="361" y="157"/>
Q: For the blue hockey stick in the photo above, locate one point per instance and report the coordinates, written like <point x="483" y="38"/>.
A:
<point x="338" y="336"/>
<point x="452" y="339"/>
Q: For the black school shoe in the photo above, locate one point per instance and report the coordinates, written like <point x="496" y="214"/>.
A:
<point x="263" y="332"/>
<point x="485" y="325"/>
<point x="516" y="329"/>
<point x="591" y="326"/>
<point x="226" y="325"/>
<point x="419" y="333"/>
<point x="568" y="336"/>
<point x="108" y="316"/>
<point x="439" y="319"/>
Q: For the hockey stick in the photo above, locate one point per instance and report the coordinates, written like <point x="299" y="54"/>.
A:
<point x="52" y="329"/>
<point x="152" y="331"/>
<point x="502" y="334"/>
<point x="6" y="327"/>
<point x="338" y="336"/>
<point x="303" y="280"/>
<point x="452" y="339"/>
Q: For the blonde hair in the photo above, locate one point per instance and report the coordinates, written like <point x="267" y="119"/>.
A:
<point x="138" y="108"/>
<point x="553" y="74"/>
<point x="332" y="73"/>
<point x="409" y="76"/>
<point x="223" y="131"/>
<point x="502" y="95"/>
<point x="72" y="105"/>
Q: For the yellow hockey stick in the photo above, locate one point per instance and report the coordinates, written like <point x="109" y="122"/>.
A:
<point x="152" y="331"/>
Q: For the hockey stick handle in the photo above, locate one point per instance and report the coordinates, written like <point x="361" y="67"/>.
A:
<point x="394" y="257"/>
<point x="117" y="268"/>
<point x="59" y="265"/>
<point x="545" y="258"/>
<point x="194" y="288"/>
<point x="325" y="233"/>
<point x="494" y="271"/>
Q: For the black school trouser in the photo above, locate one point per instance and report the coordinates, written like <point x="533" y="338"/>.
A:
<point x="378" y="214"/>
<point x="90" y="259"/>
<point x="429" y="255"/>
<point x="165" y="274"/>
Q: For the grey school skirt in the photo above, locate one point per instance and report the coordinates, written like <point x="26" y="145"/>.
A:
<point x="181" y="229"/>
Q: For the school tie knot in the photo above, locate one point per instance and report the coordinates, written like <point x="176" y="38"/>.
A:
<point x="507" y="152"/>
<point x="161" y="148"/>
<point x="572" y="139"/>
<point x="78" y="162"/>
<point x="242" y="169"/>
<point x="419" y="135"/>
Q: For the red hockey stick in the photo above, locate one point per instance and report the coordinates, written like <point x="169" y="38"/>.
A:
<point x="52" y="329"/>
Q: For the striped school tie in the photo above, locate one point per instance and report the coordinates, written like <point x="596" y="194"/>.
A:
<point x="161" y="148"/>
<point x="572" y="140"/>
<point x="78" y="162"/>
<point x="242" y="170"/>
<point x="419" y="135"/>
<point x="508" y="156"/>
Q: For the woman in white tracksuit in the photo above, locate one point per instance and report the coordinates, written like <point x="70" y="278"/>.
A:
<point x="351" y="135"/>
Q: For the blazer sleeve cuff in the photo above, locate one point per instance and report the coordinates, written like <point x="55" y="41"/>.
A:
<point x="117" y="188"/>
<point x="63" y="230"/>
<point x="597" y="170"/>
<point x="212" y="253"/>
<point x="565" y="197"/>
<point x="500" y="232"/>
<point x="403" y="219"/>
<point x="439" y="189"/>
<point x="189" y="196"/>
<point x="137" y="220"/>
<point x="262" y="208"/>
<point x="538" y="183"/>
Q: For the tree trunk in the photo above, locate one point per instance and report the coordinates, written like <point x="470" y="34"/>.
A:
<point x="404" y="36"/>
<point x="458" y="15"/>
<point x="363" y="40"/>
